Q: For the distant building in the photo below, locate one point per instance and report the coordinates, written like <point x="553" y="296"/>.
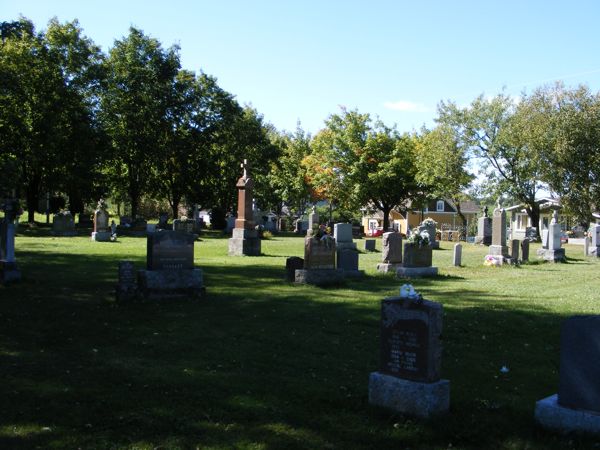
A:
<point x="443" y="211"/>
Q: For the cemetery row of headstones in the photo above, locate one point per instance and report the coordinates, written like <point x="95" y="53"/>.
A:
<point x="411" y="259"/>
<point x="327" y="259"/>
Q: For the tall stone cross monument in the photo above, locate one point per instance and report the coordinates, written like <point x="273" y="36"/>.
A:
<point x="245" y="240"/>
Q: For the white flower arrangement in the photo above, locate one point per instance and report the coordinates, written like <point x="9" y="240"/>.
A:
<point x="418" y="237"/>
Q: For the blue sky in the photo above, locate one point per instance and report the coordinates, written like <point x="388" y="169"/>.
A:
<point x="392" y="59"/>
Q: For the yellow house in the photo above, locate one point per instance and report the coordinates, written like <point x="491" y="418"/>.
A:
<point x="443" y="211"/>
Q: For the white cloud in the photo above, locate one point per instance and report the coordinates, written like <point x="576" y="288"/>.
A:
<point x="405" y="105"/>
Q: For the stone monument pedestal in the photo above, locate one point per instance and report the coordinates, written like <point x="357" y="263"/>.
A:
<point x="552" y="255"/>
<point x="319" y="277"/>
<point x="9" y="272"/>
<point x="101" y="236"/>
<point x="244" y="242"/>
<point x="155" y="284"/>
<point x="549" y="414"/>
<point x="418" y="399"/>
<point x="416" y="272"/>
<point x="388" y="267"/>
<point x="500" y="254"/>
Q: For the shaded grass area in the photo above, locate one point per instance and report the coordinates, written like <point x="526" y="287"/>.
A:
<point x="261" y="363"/>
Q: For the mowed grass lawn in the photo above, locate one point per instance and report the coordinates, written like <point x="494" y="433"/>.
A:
<point x="263" y="364"/>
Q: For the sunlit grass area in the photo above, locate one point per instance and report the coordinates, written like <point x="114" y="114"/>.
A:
<point x="261" y="363"/>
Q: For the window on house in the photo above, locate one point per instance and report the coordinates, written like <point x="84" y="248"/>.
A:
<point x="440" y="205"/>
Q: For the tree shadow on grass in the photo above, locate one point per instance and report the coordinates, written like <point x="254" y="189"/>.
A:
<point x="280" y="366"/>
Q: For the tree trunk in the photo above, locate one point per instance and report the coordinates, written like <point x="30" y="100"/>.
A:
<point x="386" y="217"/>
<point x="175" y="207"/>
<point x="534" y="214"/>
<point x="32" y="198"/>
<point x="461" y="215"/>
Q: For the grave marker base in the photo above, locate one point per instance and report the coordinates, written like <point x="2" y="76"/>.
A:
<point x="101" y="236"/>
<point x="549" y="414"/>
<point x="557" y="255"/>
<point x="416" y="272"/>
<point x="244" y="243"/>
<point x="319" y="277"/>
<point x="388" y="267"/>
<point x="413" y="398"/>
<point x="161" y="284"/>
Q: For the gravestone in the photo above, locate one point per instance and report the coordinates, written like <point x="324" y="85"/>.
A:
<point x="163" y="221"/>
<point x="391" y="253"/>
<point x="127" y="282"/>
<point x="85" y="220"/>
<point x="484" y="231"/>
<point x="184" y="225"/>
<point x="457" y="257"/>
<point x="244" y="240"/>
<point x="230" y="224"/>
<point x="347" y="261"/>
<point x="576" y="407"/>
<point x="319" y="263"/>
<point x="169" y="251"/>
<point x="63" y="224"/>
<point x="124" y="221"/>
<point x="370" y="245"/>
<point x="292" y="264"/>
<point x="301" y="226"/>
<point x="101" y="231"/>
<point x="525" y="250"/>
<point x="409" y="377"/>
<point x="545" y="234"/>
<point x="170" y="270"/>
<point x="515" y="245"/>
<point x="429" y="227"/>
<point x="498" y="251"/>
<point x="9" y="272"/>
<point x="342" y="233"/>
<point x="416" y="262"/>
<point x="552" y="251"/>
<point x="595" y="238"/>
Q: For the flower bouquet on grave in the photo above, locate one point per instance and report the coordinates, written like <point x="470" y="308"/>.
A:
<point x="418" y="238"/>
<point x="491" y="260"/>
<point x="429" y="222"/>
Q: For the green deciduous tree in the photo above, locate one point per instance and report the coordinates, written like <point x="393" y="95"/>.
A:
<point x="140" y="78"/>
<point x="287" y="176"/>
<point x="442" y="165"/>
<point x="488" y="130"/>
<point x="48" y="133"/>
<point x="562" y="128"/>
<point x="356" y="164"/>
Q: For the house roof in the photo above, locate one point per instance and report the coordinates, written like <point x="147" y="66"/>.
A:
<point x="546" y="203"/>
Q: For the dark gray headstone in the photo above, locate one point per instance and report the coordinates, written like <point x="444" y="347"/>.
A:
<point x="370" y="245"/>
<point x="410" y="339"/>
<point x="579" y="377"/>
<point x="457" y="256"/>
<point x="186" y="226"/>
<point x="484" y="230"/>
<point x="292" y="264"/>
<point x="347" y="259"/>
<point x="170" y="250"/>
<point x="525" y="250"/>
<point x="515" y="244"/>
<point x="127" y="285"/>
